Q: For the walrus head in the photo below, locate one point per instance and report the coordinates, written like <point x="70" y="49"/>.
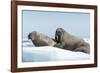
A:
<point x="40" y="39"/>
<point x="35" y="38"/>
<point x="30" y="35"/>
<point x="59" y="35"/>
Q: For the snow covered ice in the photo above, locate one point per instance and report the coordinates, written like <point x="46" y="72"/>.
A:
<point x="47" y="53"/>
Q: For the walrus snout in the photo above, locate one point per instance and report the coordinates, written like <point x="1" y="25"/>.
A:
<point x="29" y="36"/>
<point x="59" y="34"/>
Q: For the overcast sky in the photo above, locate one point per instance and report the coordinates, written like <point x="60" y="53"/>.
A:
<point x="48" y="21"/>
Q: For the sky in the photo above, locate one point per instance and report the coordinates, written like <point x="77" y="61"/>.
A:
<point x="47" y="22"/>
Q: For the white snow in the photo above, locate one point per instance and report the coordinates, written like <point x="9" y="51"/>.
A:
<point x="87" y="40"/>
<point x="47" y="53"/>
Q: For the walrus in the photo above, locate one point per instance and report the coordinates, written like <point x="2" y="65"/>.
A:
<point x="40" y="39"/>
<point x="68" y="41"/>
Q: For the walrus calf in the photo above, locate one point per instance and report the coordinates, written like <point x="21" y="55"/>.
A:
<point x="40" y="39"/>
<point x="69" y="42"/>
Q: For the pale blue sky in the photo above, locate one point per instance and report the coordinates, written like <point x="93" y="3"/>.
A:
<point x="48" y="21"/>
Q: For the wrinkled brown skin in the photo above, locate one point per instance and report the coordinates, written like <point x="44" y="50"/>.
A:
<point x="69" y="42"/>
<point x="40" y="39"/>
<point x="62" y="40"/>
